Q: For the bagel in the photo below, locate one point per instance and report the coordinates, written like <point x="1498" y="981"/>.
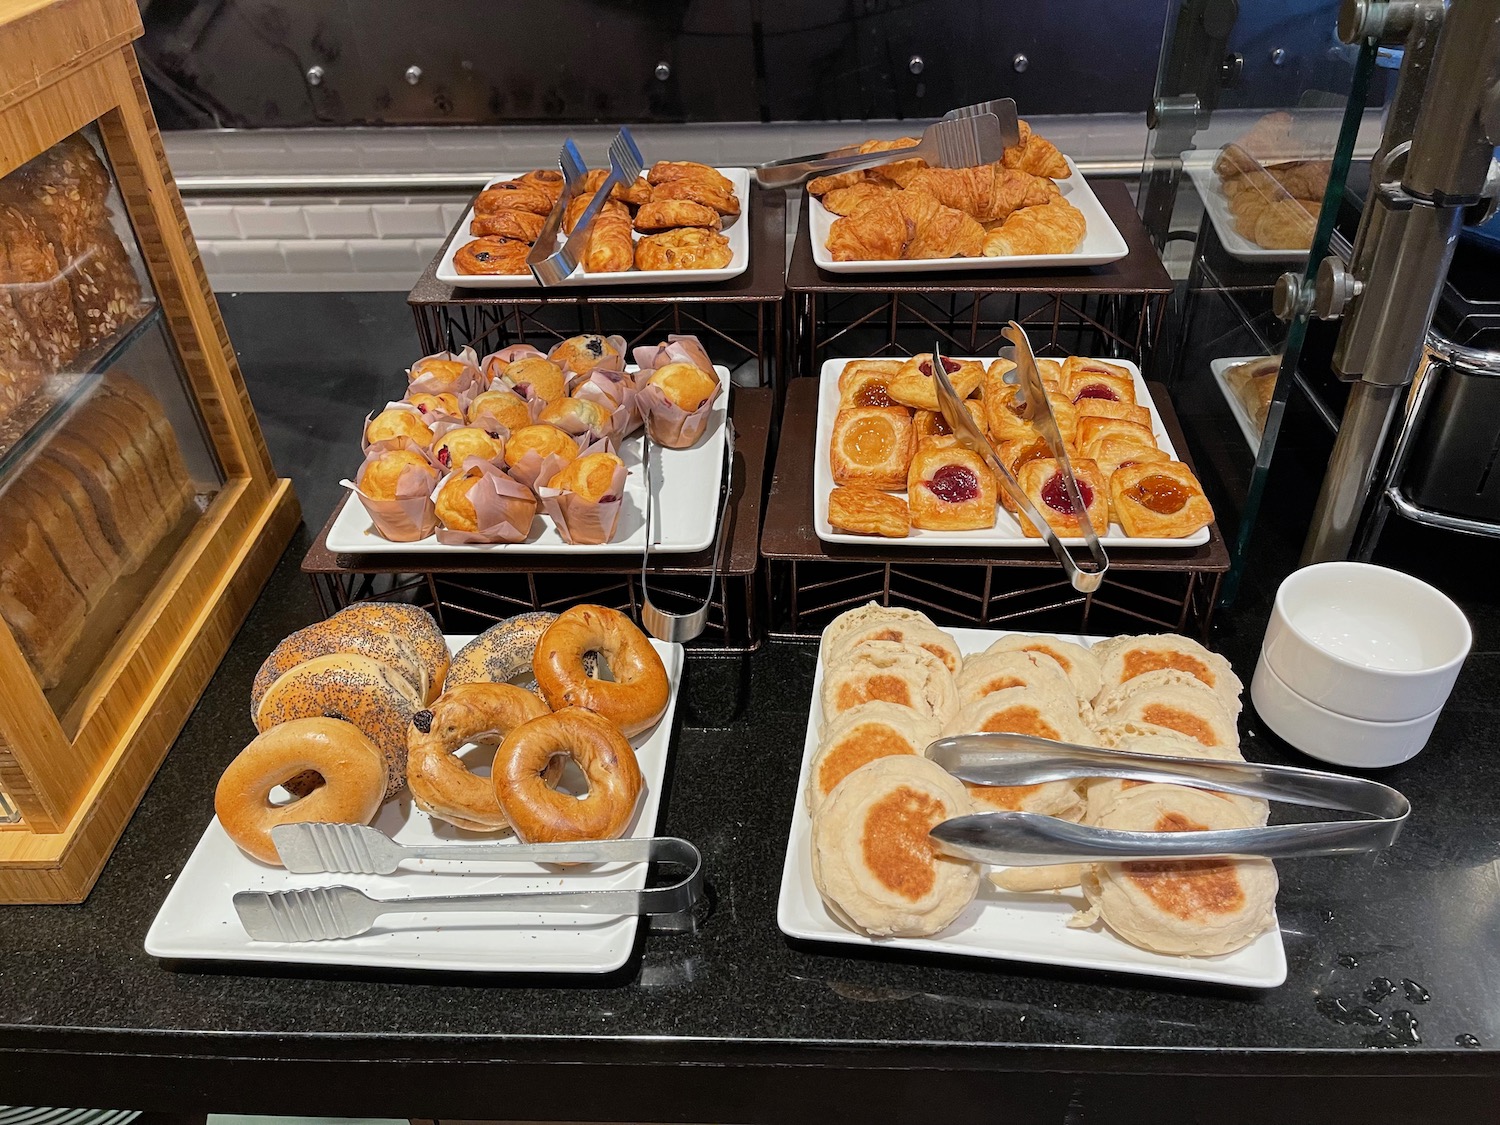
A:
<point x="637" y="694"/>
<point x="502" y="654"/>
<point x="354" y="688"/>
<point x="352" y="768"/>
<point x="441" y="785"/>
<point x="404" y="638"/>
<point x="540" y="813"/>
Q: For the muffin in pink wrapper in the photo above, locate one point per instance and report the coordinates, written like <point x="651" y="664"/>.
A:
<point x="581" y="418"/>
<point x="676" y="349"/>
<point x="453" y="443"/>
<point x="584" y="499"/>
<point x="481" y="504"/>
<point x="615" y="391"/>
<point x="394" y="483"/>
<point x="454" y="373"/>
<point x="527" y="372"/>
<point x="502" y="410"/>
<point x="436" y="408"/>
<point x="398" y="421"/>
<point x="580" y="355"/>
<point x="677" y="403"/>
<point x="535" y="454"/>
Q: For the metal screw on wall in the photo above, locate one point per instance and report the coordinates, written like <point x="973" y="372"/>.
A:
<point x="663" y="71"/>
<point x="1020" y="63"/>
<point x="315" y="76"/>
<point x="1278" y="56"/>
<point x="413" y="75"/>
<point x="915" y="64"/>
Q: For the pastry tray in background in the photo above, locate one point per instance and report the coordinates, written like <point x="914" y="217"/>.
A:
<point x="739" y="246"/>
<point x="685" y="520"/>
<point x="1200" y="169"/>
<point x="1102" y="242"/>
<point x="1006" y="532"/>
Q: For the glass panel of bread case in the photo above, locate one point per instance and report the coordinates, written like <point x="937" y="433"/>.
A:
<point x="105" y="466"/>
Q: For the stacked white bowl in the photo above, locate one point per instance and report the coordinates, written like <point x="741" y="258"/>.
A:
<point x="1357" y="663"/>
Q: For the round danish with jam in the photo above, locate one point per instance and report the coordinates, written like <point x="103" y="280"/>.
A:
<point x="871" y="446"/>
<point x="441" y="784"/>
<point x="1042" y="481"/>
<point x="637" y="694"/>
<point x="536" y="809"/>
<point x="950" y="488"/>
<point x="1161" y="499"/>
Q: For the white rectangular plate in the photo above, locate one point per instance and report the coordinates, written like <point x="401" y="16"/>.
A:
<point x="1006" y="532"/>
<point x="686" y="517"/>
<point x="198" y="922"/>
<point x="1236" y="407"/>
<point x="1102" y="241"/>
<point x="739" y="247"/>
<point x="1206" y="180"/>
<point x="1005" y="925"/>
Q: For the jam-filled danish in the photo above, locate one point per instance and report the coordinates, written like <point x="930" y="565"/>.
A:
<point x="1042" y="481"/>
<point x="1160" y="499"/>
<point x="950" y="488"/>
<point x="871" y="446"/>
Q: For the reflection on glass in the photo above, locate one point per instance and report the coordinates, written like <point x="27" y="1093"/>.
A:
<point x="104" y="468"/>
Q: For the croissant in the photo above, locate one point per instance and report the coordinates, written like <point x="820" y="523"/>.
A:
<point x="877" y="231"/>
<point x="1036" y="155"/>
<point x="1056" y="227"/>
<point x="847" y="200"/>
<point x="611" y="244"/>
<point x="901" y="172"/>
<point x="822" y="185"/>
<point x="1285" y="224"/>
<point x="988" y="192"/>
<point x="634" y="193"/>
<point x="938" y="231"/>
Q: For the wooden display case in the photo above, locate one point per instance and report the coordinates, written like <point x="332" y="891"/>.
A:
<point x="139" y="513"/>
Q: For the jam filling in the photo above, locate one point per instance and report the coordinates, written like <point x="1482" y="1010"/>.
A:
<point x="444" y="457"/>
<point x="1055" y="495"/>
<point x="1097" y="390"/>
<point x="951" y="366"/>
<point x="1161" y="494"/>
<point x="953" y="484"/>
<point x="940" y="425"/>
<point x="1033" y="452"/>
<point x="873" y="394"/>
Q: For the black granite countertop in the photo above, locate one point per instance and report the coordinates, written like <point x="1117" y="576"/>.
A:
<point x="736" y="1023"/>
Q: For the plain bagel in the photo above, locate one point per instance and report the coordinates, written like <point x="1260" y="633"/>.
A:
<point x="352" y="769"/>
<point x="638" y="693"/>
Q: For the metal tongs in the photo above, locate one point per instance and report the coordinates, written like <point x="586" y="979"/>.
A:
<point x="1018" y="839"/>
<point x="663" y="624"/>
<point x="570" y="164"/>
<point x="1039" y="413"/>
<point x="552" y="267"/>
<point x="960" y="142"/>
<point x="322" y="913"/>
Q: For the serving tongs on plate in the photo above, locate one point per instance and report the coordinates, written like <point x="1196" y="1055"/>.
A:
<point x="323" y="913"/>
<point x="664" y="624"/>
<point x="960" y="142"/>
<point x="1038" y="411"/>
<point x="1019" y="839"/>
<point x="1004" y="110"/>
<point x="553" y="267"/>
<point x="570" y="164"/>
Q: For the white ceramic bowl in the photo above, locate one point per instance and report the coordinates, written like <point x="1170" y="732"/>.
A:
<point x="1366" y="641"/>
<point x="1330" y="737"/>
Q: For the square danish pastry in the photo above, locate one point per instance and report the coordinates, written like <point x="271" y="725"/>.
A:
<point x="915" y="386"/>
<point x="950" y="488"/>
<point x="865" y="511"/>
<point x="1158" y="498"/>
<point x="931" y="423"/>
<point x="1110" y="408"/>
<point x="867" y="383"/>
<point x="1090" y="430"/>
<point x="1043" y="483"/>
<point x="871" y="446"/>
<point x="1093" y="378"/>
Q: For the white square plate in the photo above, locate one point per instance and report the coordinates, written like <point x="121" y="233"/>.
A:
<point x="198" y="922"/>
<point x="739" y="248"/>
<point x="1006" y="532"/>
<point x="1201" y="171"/>
<point x="1102" y="241"/>
<point x="686" y="517"/>
<point x="1005" y="925"/>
